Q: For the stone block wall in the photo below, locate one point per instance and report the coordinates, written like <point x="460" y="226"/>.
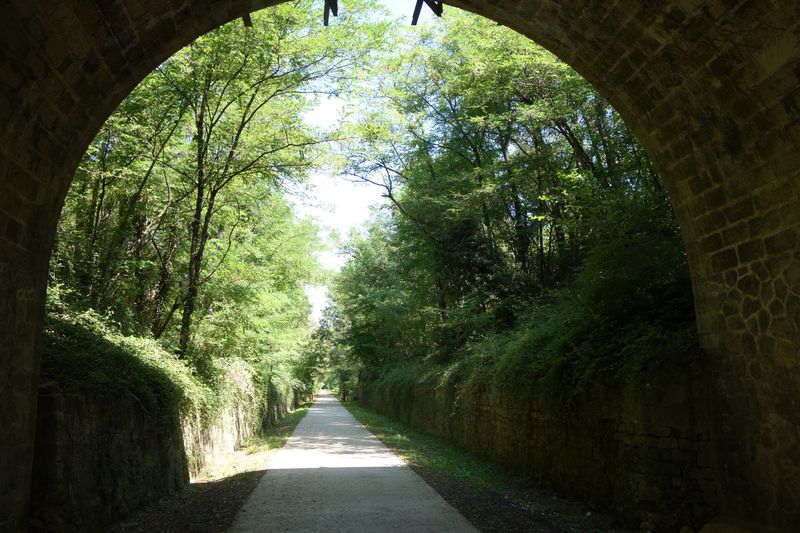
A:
<point x="98" y="458"/>
<point x="207" y="441"/>
<point x="644" y="452"/>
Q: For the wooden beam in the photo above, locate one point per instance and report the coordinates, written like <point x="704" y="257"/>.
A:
<point x="436" y="6"/>
<point x="331" y="6"/>
<point x="247" y="20"/>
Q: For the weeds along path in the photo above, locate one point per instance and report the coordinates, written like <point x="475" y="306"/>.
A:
<point x="334" y="475"/>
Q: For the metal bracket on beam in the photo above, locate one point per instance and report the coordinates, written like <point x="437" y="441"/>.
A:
<point x="435" y="5"/>
<point x="331" y="6"/>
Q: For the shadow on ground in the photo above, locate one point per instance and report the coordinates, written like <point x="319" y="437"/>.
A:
<point x="348" y="499"/>
<point x="203" y="507"/>
<point x="491" y="511"/>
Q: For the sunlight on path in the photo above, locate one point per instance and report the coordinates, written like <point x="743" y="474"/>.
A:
<point x="334" y="475"/>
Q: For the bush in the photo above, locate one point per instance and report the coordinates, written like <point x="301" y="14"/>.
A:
<point x="82" y="351"/>
<point x="629" y="309"/>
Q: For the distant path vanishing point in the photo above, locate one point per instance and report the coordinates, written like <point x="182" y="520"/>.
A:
<point x="334" y="476"/>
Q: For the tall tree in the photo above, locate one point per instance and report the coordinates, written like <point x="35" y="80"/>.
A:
<point x="175" y="183"/>
<point x="511" y="183"/>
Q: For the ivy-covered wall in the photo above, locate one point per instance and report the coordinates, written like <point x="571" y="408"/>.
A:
<point x="123" y="422"/>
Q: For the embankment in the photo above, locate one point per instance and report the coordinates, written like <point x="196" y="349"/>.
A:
<point x="122" y="423"/>
<point x="643" y="451"/>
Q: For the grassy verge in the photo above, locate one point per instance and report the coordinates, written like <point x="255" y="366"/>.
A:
<point x="276" y="436"/>
<point x="426" y="451"/>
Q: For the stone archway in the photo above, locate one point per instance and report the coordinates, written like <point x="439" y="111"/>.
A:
<point x="711" y="88"/>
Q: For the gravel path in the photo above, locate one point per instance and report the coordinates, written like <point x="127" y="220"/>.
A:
<point x="334" y="475"/>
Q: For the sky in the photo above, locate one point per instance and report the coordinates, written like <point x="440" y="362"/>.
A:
<point x="404" y="9"/>
<point x="337" y="204"/>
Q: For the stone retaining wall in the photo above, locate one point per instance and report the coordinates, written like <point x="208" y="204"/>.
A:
<point x="644" y="452"/>
<point x="100" y="457"/>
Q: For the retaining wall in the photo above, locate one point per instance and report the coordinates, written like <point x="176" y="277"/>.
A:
<point x="643" y="451"/>
<point x="99" y="457"/>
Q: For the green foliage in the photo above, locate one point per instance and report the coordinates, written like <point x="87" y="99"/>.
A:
<point x="82" y="352"/>
<point x="85" y="352"/>
<point x="529" y="243"/>
<point x="629" y="306"/>
<point x="327" y="360"/>
<point x="177" y="229"/>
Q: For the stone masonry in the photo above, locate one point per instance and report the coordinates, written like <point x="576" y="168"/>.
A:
<point x="711" y="88"/>
<point x="642" y="450"/>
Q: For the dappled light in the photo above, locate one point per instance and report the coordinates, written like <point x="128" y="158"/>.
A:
<point x="340" y="443"/>
<point x="333" y="474"/>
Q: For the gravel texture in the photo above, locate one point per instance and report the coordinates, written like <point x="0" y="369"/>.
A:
<point x="334" y="475"/>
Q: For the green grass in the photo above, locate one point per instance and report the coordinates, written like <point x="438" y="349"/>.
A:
<point x="427" y="451"/>
<point x="276" y="436"/>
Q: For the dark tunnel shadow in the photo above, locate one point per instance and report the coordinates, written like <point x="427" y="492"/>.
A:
<point x="202" y="507"/>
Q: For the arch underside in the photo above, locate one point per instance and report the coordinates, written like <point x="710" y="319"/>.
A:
<point x="710" y="87"/>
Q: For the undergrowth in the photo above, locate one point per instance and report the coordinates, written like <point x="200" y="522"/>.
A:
<point x="81" y="355"/>
<point x="627" y="312"/>
<point x="83" y="352"/>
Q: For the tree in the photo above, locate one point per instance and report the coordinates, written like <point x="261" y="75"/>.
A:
<point x="513" y="190"/>
<point x="180" y="196"/>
